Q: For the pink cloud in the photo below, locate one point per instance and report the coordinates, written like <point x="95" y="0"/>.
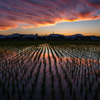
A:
<point x="38" y="13"/>
<point x="5" y="24"/>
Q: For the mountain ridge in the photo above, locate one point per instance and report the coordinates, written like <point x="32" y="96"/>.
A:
<point x="32" y="35"/>
<point x="17" y="36"/>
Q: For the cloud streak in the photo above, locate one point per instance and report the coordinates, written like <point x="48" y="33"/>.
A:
<point x="36" y="13"/>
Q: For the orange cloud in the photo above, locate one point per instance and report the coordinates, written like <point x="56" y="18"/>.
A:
<point x="5" y="25"/>
<point x="36" y="13"/>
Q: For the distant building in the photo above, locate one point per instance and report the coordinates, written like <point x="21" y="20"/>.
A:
<point x="22" y="37"/>
<point x="36" y="36"/>
<point x="98" y="38"/>
<point x="87" y="38"/>
<point x="78" y="38"/>
<point x="94" y="38"/>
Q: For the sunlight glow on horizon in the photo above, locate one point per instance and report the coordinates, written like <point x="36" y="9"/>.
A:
<point x="90" y="27"/>
<point x="66" y="17"/>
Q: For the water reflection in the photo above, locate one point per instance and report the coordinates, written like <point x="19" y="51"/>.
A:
<point x="53" y="72"/>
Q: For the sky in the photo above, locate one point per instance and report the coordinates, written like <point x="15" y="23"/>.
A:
<point x="66" y="17"/>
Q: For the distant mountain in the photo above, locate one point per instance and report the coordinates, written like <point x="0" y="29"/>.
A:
<point x="74" y="36"/>
<point x="29" y="35"/>
<point x="14" y="35"/>
<point x="77" y="35"/>
<point x="2" y="36"/>
<point x="17" y="35"/>
<point x="50" y="36"/>
<point x="55" y="35"/>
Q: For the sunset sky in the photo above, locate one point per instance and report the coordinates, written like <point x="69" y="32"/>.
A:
<point x="45" y="16"/>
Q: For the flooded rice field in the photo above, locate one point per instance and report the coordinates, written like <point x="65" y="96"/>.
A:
<point x="45" y="72"/>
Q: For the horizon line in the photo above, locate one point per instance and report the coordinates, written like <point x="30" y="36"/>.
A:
<point x="48" y="34"/>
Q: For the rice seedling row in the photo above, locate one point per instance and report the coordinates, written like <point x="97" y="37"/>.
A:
<point x="51" y="73"/>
